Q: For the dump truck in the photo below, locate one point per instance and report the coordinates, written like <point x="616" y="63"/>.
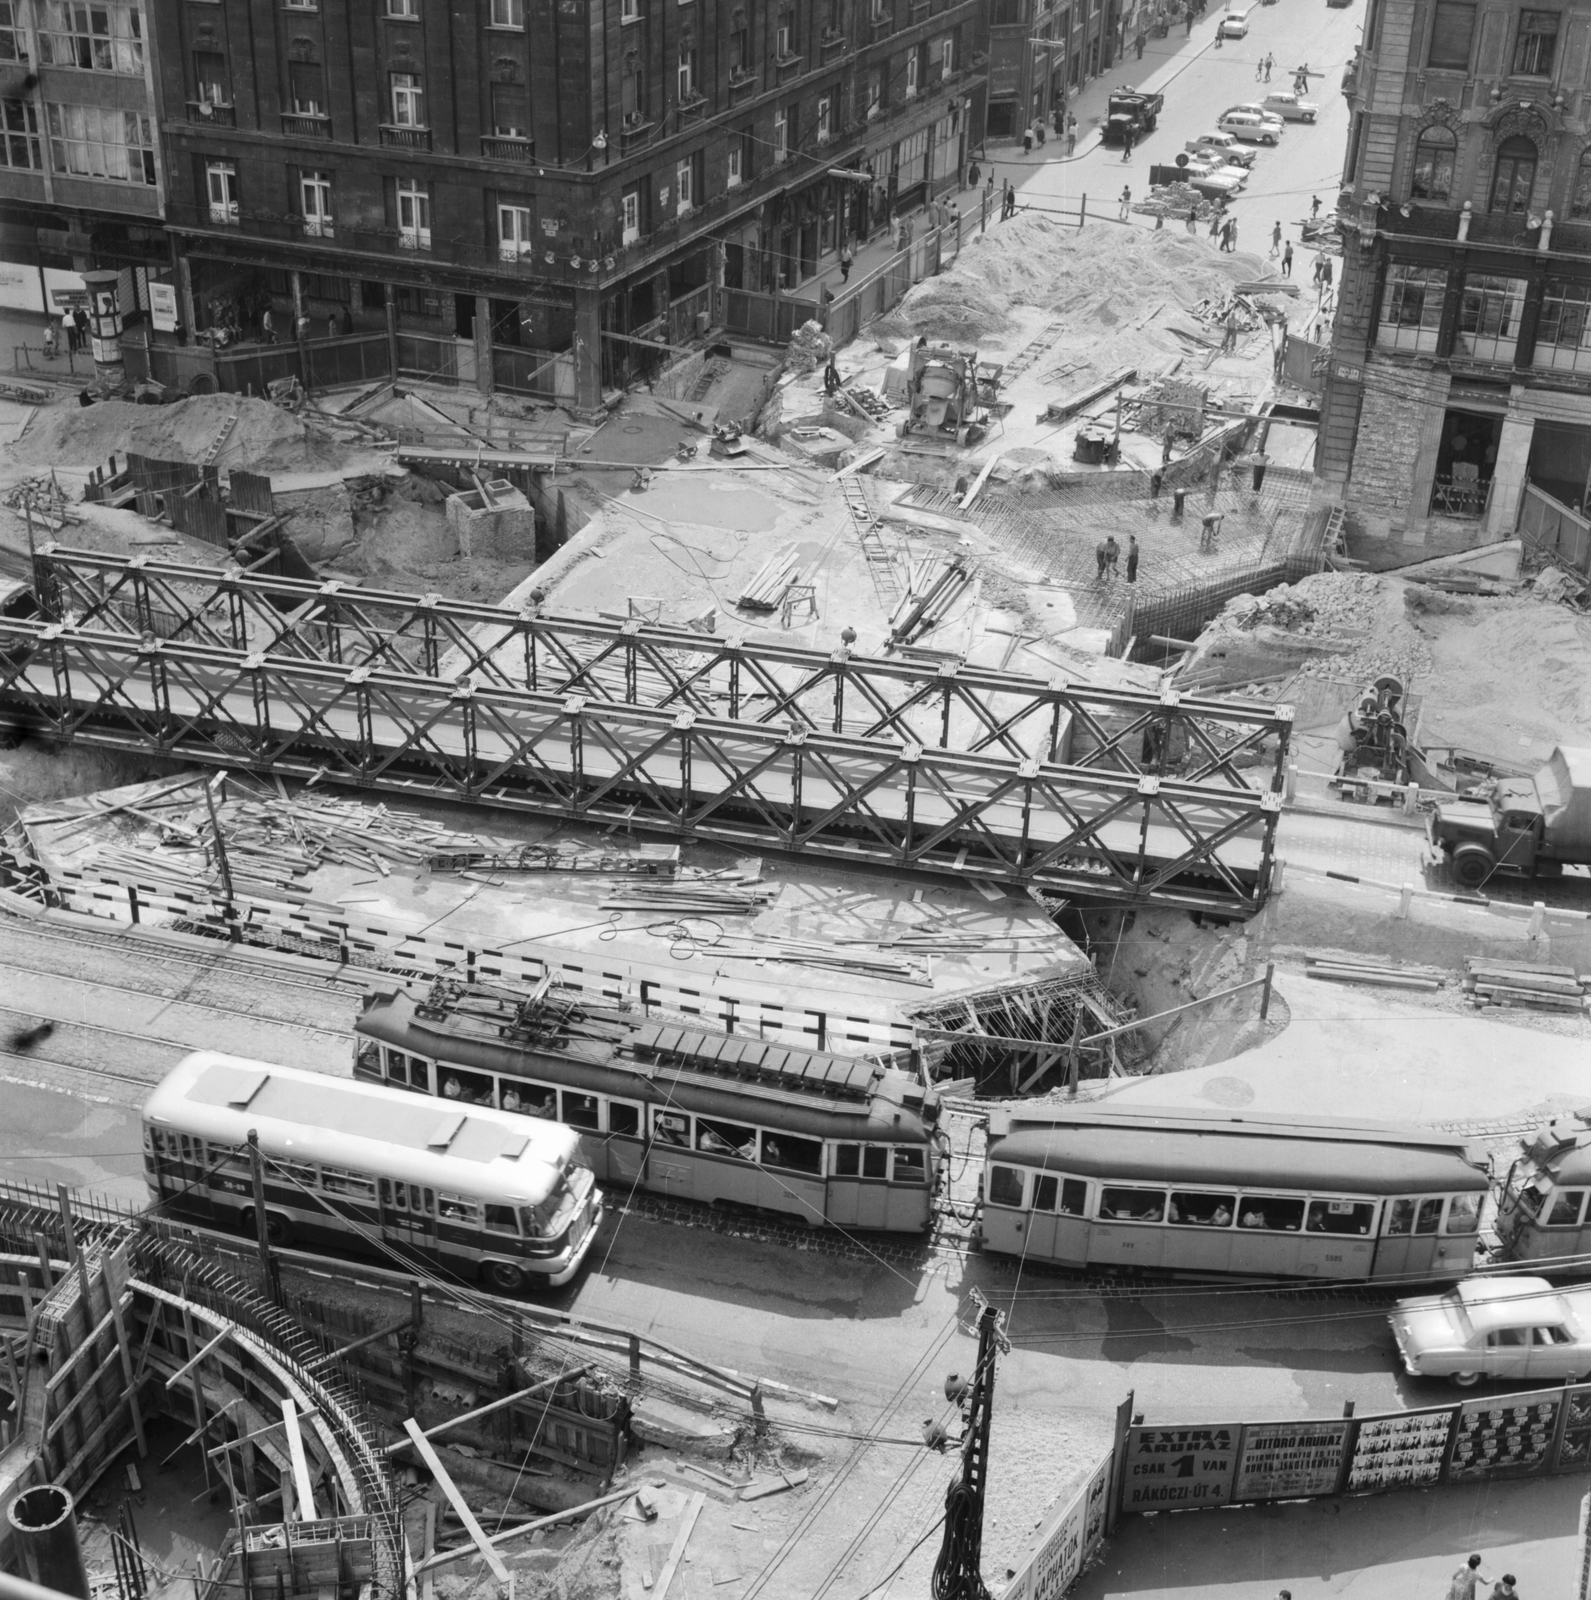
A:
<point x="1127" y="110"/>
<point x="1528" y="827"/>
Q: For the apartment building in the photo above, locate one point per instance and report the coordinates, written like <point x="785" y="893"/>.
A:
<point x="1458" y="392"/>
<point x="81" y="178"/>
<point x="537" y="194"/>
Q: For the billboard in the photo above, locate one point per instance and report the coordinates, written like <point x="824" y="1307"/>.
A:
<point x="1066" y="1541"/>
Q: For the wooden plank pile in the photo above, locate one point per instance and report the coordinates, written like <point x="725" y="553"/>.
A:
<point x="1490" y="982"/>
<point x="1375" y="974"/>
<point x="736" y="891"/>
<point x="766" y="591"/>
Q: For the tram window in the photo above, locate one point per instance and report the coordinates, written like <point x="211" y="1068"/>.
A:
<point x="581" y="1110"/>
<point x="473" y="1088"/>
<point x="367" y="1054"/>
<point x="1194" y="1210"/>
<point x="386" y="1191"/>
<point x="501" y="1219"/>
<point x="334" y="1180"/>
<point x="1464" y="1213"/>
<point x="457" y="1208"/>
<point x="1005" y="1186"/>
<point x="847" y="1161"/>
<point x="1340" y="1216"/>
<point x="397" y="1067"/>
<point x="1072" y="1193"/>
<point x="1132" y="1205"/>
<point x="793" y="1155"/>
<point x="1272" y="1212"/>
<point x="529" y="1099"/>
<point x="726" y="1139"/>
<point x="1413" y="1216"/>
<point x="1566" y="1204"/>
<point x="911" y="1165"/>
<point x="623" y="1119"/>
<point x="875" y="1160"/>
<point x="187" y="1148"/>
<point x="419" y="1074"/>
<point x="669" y="1128"/>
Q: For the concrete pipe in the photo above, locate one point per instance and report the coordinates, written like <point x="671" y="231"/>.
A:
<point x="45" y="1524"/>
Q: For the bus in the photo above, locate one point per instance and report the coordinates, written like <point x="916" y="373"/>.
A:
<point x="1541" y="1208"/>
<point x="363" y="1168"/>
<point x="1207" y="1192"/>
<point x="843" y="1141"/>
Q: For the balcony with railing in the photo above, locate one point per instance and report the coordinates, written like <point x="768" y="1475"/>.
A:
<point x="503" y="147"/>
<point x="306" y="125"/>
<point x="212" y="113"/>
<point x="405" y="138"/>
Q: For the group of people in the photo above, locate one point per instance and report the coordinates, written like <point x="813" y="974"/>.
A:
<point x="339" y="324"/>
<point x="75" y="326"/>
<point x="1467" y="1581"/>
<point x="1108" y="553"/>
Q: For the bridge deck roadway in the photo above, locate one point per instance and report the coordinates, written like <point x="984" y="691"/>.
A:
<point x="1076" y="830"/>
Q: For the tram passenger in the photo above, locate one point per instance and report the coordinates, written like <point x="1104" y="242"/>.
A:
<point x="716" y="1144"/>
<point x="511" y="1100"/>
<point x="1222" y="1217"/>
<point x="452" y="1089"/>
<point x="1252" y="1218"/>
<point x="672" y="1130"/>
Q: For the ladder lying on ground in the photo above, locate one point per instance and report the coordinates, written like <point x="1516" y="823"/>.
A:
<point x="886" y="580"/>
<point x="222" y="434"/>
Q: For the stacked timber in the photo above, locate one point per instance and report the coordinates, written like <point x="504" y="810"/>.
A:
<point x="766" y="591"/>
<point x="1519" y="984"/>
<point x="1374" y="974"/>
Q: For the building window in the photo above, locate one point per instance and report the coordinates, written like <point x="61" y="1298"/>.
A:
<point x="875" y="94"/>
<point x="408" y="100"/>
<point x="513" y="233"/>
<point x="97" y="38"/>
<point x="314" y="194"/>
<point x="1515" y="176"/>
<point x="911" y="160"/>
<point x="632" y="98"/>
<point x="13" y="37"/>
<point x="629" y="11"/>
<point x="736" y="174"/>
<point x="510" y="111"/>
<point x="306" y="88"/>
<point x="209" y="77"/>
<point x="785" y="47"/>
<point x="509" y="14"/>
<point x="1451" y="34"/>
<point x="100" y="142"/>
<point x="781" y="136"/>
<point x="414" y="215"/>
<point x="687" y="74"/>
<point x="403" y="10"/>
<point x="1433" y="166"/>
<point x="630" y="208"/>
<point x="1536" y="43"/>
<point x="302" y="5"/>
<point x="1563" y="336"/>
<point x="947" y="55"/>
<point x="739" y="52"/>
<point x="1488" y="317"/>
<point x="1580" y="195"/>
<point x="1411" y="308"/>
<point x="825" y="120"/>
<point x="19" y="135"/>
<point x="685" y="185"/>
<point x="221" y="189"/>
<point x="913" y="72"/>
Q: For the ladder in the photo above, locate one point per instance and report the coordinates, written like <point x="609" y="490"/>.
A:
<point x="1029" y="353"/>
<point x="869" y="531"/>
<point x="222" y="433"/>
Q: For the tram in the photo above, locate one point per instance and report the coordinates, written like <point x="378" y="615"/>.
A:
<point x="363" y="1169"/>
<point x="846" y="1141"/>
<point x="1264" y="1195"/>
<point x="1541" y="1207"/>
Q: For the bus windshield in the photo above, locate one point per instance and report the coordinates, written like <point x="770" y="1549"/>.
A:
<point x="558" y="1210"/>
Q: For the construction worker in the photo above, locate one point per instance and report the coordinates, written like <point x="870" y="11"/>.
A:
<point x="1276" y="239"/>
<point x="1126" y="144"/>
<point x="1126" y="201"/>
<point x="1232" y="329"/>
<point x="1287" y="259"/>
<point x="1132" y="556"/>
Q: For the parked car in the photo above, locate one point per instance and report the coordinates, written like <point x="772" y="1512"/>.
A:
<point x="1223" y="145"/>
<point x="1258" y="108"/>
<point x="1213" y="183"/>
<point x="1215" y="165"/>
<point x="1511" y="1328"/>
<point x="1234" y="25"/>
<point x="1289" y="107"/>
<point x="1245" y="125"/>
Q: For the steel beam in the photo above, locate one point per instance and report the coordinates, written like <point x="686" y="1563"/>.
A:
<point x="1080" y="830"/>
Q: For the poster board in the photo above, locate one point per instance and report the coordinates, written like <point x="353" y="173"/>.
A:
<point x="1511" y="1436"/>
<point x="1290" y="1460"/>
<point x="1175" y="1469"/>
<point x="1066" y="1542"/>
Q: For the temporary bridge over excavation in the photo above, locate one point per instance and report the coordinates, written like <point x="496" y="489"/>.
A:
<point x="1103" y="794"/>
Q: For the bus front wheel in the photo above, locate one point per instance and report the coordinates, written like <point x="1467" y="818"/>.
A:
<point x="278" y="1230"/>
<point x="503" y="1276"/>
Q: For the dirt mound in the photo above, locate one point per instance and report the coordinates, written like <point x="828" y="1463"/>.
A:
<point x="264" y="437"/>
<point x="955" y="306"/>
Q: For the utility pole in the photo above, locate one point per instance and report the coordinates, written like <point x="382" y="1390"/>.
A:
<point x="262" y="1227"/>
<point x="958" y="1573"/>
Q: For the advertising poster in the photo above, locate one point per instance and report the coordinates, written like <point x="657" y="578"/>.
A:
<point x="163" y="306"/>
<point x="1575" y="1448"/>
<point x="1066" y="1542"/>
<point x="1289" y="1460"/>
<point x="1494" y="1438"/>
<point x="1400" y="1452"/>
<point x="1175" y="1468"/>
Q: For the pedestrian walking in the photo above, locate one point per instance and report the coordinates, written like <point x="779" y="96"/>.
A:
<point x="1465" y="1580"/>
<point x="1126" y="144"/>
<point x="1071" y="135"/>
<point x="1231" y="233"/>
<point x="50" y="340"/>
<point x="1229" y="336"/>
<point x="1126" y="201"/>
<point x="1138" y="44"/>
<point x="973" y="174"/>
<point x="1259" y="69"/>
<point x="1287" y="259"/>
<point x="846" y="258"/>
<point x="1101" y="561"/>
<point x="74" y="340"/>
<point x="1276" y="238"/>
<point x="1132" y="558"/>
<point x="1314" y="207"/>
<point x="80" y="322"/>
<point x="1027" y="141"/>
<point x="1190" y="22"/>
<point x="1060" y="120"/>
<point x="1325" y="272"/>
<point x="1226" y="234"/>
<point x="1038" y="130"/>
<point x="1191" y="222"/>
<point x="1270" y="62"/>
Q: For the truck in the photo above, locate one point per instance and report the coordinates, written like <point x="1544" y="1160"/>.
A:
<point x="1129" y="111"/>
<point x="1528" y="827"/>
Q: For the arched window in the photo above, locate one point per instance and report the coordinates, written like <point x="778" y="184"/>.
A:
<point x="1580" y="198"/>
<point x="1433" y="166"/>
<point x="1515" y="176"/>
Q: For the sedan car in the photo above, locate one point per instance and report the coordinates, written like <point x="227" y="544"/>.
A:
<point x="1234" y="25"/>
<point x="1256" y="130"/>
<point x="1223" y="145"/>
<point x="1511" y="1328"/>
<point x="1289" y="107"/>
<point x="1258" y="108"/>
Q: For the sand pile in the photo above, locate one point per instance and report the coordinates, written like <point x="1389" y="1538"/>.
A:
<point x="265" y="437"/>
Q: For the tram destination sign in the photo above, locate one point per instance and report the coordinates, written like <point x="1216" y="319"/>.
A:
<point x="1290" y="1460"/>
<point x="1177" y="1468"/>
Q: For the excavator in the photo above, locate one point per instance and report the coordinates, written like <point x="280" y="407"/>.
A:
<point x="942" y="398"/>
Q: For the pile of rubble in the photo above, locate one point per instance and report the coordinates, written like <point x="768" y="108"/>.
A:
<point x="809" y="348"/>
<point x="1176" y="200"/>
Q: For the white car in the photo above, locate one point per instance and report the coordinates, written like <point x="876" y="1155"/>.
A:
<point x="1258" y="108"/>
<point x="1512" y="1328"/>
<point x="1245" y="125"/>
<point x="1234" y="25"/>
<point x="1223" y="145"/>
<point x="1215" y="166"/>
<point x="1289" y="107"/>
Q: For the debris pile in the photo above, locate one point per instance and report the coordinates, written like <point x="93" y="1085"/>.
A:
<point x="809" y="348"/>
<point x="1524" y="985"/>
<point x="1176" y="200"/>
<point x="1554" y="584"/>
<point x="42" y="498"/>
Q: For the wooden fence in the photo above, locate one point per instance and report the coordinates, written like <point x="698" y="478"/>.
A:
<point x="1549" y="526"/>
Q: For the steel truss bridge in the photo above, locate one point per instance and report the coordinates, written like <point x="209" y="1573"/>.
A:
<point x="1094" y="793"/>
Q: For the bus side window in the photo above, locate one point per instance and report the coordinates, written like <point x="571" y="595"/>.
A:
<point x="623" y="1119"/>
<point x="457" y="1208"/>
<point x="581" y="1110"/>
<point x="911" y="1165"/>
<point x="1566" y="1204"/>
<point x="1464" y="1213"/>
<point x="875" y="1158"/>
<point x="1005" y="1186"/>
<point x="501" y="1219"/>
